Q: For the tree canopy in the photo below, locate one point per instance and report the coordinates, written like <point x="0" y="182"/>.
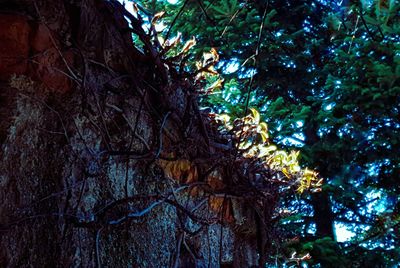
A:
<point x="325" y="76"/>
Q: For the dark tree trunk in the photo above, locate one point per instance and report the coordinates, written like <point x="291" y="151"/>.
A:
<point x="84" y="119"/>
<point x="323" y="214"/>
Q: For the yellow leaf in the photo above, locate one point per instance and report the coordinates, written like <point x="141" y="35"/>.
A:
<point x="210" y="58"/>
<point x="264" y="136"/>
<point x="292" y="157"/>
<point x="198" y="65"/>
<point x="216" y="84"/>
<point x="294" y="167"/>
<point x="188" y="45"/>
<point x="161" y="40"/>
<point x="223" y="117"/>
<point x="211" y="70"/>
<point x="264" y="151"/>
<point x="256" y="115"/>
<point x="253" y="151"/>
<point x="300" y="189"/>
<point x="157" y="16"/>
<point x="215" y="53"/>
<point x="319" y="183"/>
<point x="264" y="127"/>
<point x="244" y="145"/>
<point x="285" y="172"/>
<point x="308" y="172"/>
<point x="279" y="158"/>
<point x="316" y="190"/>
<point x="175" y="41"/>
<point x="248" y="119"/>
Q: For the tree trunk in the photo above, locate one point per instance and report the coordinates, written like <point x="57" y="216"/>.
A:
<point x="86" y="118"/>
<point x="323" y="214"/>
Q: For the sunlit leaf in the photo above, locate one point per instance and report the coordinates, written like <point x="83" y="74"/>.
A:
<point x="256" y="115"/>
<point x="286" y="172"/>
<point x="188" y="45"/>
<point x="264" y="136"/>
<point x="215" y="85"/>
<point x="264" y="126"/>
<point x="157" y="17"/>
<point x="223" y="117"/>
<point x="264" y="151"/>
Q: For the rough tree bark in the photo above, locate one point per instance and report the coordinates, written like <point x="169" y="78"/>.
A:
<point x="85" y="119"/>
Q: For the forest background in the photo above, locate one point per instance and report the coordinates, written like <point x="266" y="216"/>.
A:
<point x="325" y="76"/>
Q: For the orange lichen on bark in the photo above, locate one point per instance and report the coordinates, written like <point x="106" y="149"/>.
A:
<point x="28" y="48"/>
<point x="14" y="48"/>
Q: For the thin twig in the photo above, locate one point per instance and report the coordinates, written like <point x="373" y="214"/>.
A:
<point x="204" y="10"/>
<point x="252" y="76"/>
<point x="136" y="135"/>
<point x="160" y="135"/>
<point x="98" y="247"/>
<point x="175" y="19"/>
<point x="232" y="18"/>
<point x="178" y="249"/>
<point x="189" y="249"/>
<point x="54" y="43"/>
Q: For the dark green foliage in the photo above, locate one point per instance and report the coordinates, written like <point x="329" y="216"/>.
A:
<point x="326" y="252"/>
